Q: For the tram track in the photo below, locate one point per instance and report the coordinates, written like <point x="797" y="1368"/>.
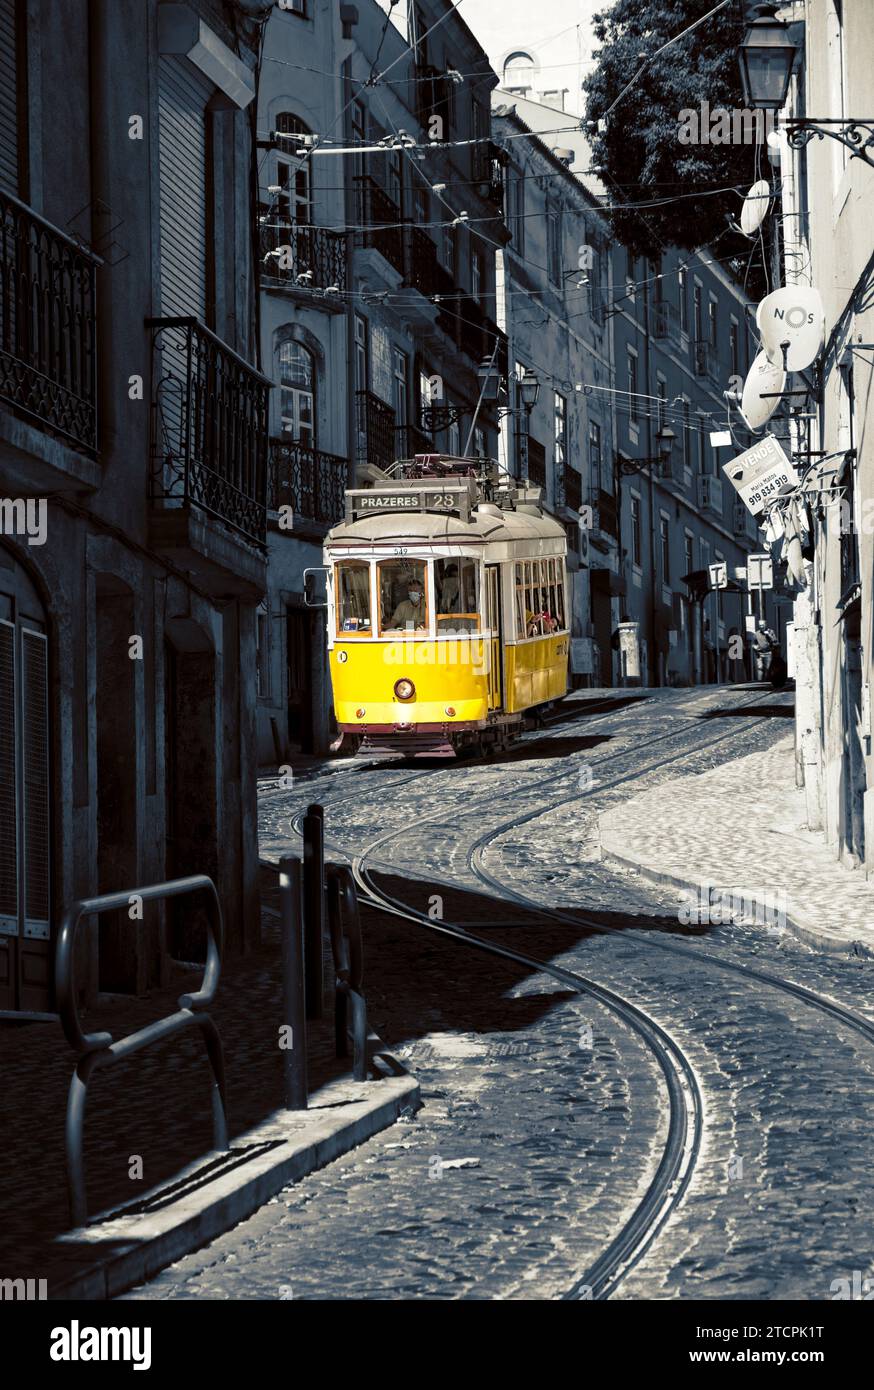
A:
<point x="685" y="1120"/>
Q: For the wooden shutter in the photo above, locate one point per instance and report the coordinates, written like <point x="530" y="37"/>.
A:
<point x="35" y="740"/>
<point x="10" y="94"/>
<point x="8" y="782"/>
<point x="183" y="93"/>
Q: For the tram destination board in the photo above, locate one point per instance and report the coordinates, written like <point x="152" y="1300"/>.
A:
<point x="372" y="501"/>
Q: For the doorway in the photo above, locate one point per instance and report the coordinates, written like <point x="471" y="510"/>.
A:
<point x="25" y="839"/>
<point x="299" y="677"/>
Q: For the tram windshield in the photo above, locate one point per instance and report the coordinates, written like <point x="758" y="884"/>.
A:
<point x="403" y="595"/>
<point x="353" y="597"/>
<point x="455" y="589"/>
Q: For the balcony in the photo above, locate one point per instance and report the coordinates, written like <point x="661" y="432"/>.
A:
<point x="573" y="488"/>
<point x="310" y="482"/>
<point x="537" y="464"/>
<point x="706" y="361"/>
<point x="710" y="494"/>
<point x="303" y="260"/>
<point x="48" y="350"/>
<point x="381" y="219"/>
<point x="208" y="456"/>
<point x="376" y="430"/>
<point x="665" y="320"/>
<point x="608" y="515"/>
<point x="410" y="440"/>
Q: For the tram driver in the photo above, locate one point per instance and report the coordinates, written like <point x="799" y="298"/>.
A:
<point x="411" y="611"/>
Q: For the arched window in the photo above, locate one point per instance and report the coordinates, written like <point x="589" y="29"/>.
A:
<point x="297" y="384"/>
<point x="519" y="72"/>
<point x="294" y="201"/>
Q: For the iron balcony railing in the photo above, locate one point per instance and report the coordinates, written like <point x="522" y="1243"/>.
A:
<point x="309" y="481"/>
<point x="48" y="325"/>
<point x="410" y="440"/>
<point x="304" y="257"/>
<point x="376" y="430"/>
<point x="209" y="427"/>
<point x="706" y="360"/>
<point x="665" y="320"/>
<point x="608" y="517"/>
<point x="381" y="220"/>
<point x="536" y="463"/>
<point x="573" y="488"/>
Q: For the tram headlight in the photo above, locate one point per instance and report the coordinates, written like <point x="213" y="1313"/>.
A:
<point x="404" y="689"/>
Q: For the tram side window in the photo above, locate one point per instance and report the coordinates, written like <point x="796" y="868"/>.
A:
<point x="533" y="604"/>
<point x="403" y="603"/>
<point x="558" y="610"/>
<point x="455" y="588"/>
<point x="353" y="597"/>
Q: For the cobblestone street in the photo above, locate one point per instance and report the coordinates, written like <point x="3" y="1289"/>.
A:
<point x="545" y="1114"/>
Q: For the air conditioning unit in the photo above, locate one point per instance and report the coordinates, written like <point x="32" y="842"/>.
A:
<point x="710" y="495"/>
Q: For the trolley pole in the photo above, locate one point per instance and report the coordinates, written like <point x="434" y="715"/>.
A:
<point x="293" y="1009"/>
<point x="314" y="905"/>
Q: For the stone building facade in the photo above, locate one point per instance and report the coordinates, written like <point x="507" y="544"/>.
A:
<point x="133" y="412"/>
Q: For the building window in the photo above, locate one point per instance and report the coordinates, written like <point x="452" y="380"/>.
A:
<point x="447" y="250"/>
<point x="298" y="7"/>
<point x="596" y="462"/>
<point x="697" y="312"/>
<point x="294" y="200"/>
<point x="560" y="434"/>
<point x="519" y="73"/>
<point x="687" y="436"/>
<point x="479" y="442"/>
<point x="361" y="372"/>
<point x="689" y="552"/>
<point x="516" y="209"/>
<point x="734" y="348"/>
<point x="297" y="380"/>
<point x="633" y="404"/>
<point x="662" y="408"/>
<point x="682" y="290"/>
<point x="394" y="178"/>
<point x="665" y="538"/>
<point x="477" y="275"/>
<point x="702" y="447"/>
<point x="400" y="365"/>
<point x="262" y="638"/>
<point x="713" y="323"/>
<point x="553" y="232"/>
<point x="636" y="548"/>
<point x="454" y="438"/>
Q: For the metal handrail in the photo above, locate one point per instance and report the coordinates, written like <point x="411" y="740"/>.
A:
<point x="97" y="1048"/>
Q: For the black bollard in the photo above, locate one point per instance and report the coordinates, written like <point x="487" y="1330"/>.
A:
<point x="293" y="1011"/>
<point x="313" y="906"/>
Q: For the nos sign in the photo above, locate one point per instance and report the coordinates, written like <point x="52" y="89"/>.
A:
<point x="759" y="474"/>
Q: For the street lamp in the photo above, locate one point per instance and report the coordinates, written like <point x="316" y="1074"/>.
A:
<point x="766" y="57"/>
<point x="665" y="440"/>
<point x="530" y="390"/>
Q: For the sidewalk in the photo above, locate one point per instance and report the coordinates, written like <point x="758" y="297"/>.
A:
<point x="739" y="826"/>
<point x="156" y="1106"/>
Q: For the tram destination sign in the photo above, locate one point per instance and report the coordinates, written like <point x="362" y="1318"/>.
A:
<point x="373" y="501"/>
<point x="758" y="474"/>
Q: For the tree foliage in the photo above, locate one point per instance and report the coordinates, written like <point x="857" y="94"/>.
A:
<point x="637" y="151"/>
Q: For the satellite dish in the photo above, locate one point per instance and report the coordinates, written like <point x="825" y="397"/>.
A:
<point x="756" y="205"/>
<point x="793" y="316"/>
<point x="765" y="379"/>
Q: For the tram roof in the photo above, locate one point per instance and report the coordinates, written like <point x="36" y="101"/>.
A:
<point x="487" y="527"/>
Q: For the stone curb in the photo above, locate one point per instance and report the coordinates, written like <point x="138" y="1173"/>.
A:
<point x="811" y="935"/>
<point x="117" y="1251"/>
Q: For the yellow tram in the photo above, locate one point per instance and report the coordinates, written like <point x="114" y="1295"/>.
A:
<point x="447" y="610"/>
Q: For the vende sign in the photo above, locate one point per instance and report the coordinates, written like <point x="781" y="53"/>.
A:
<point x="758" y="474"/>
